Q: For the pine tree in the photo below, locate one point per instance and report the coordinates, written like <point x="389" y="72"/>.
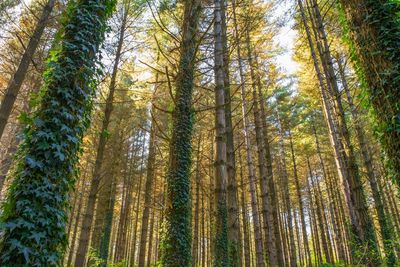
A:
<point x="15" y="82"/>
<point x="176" y="246"/>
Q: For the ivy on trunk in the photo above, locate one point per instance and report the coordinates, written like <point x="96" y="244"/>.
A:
<point x="35" y="213"/>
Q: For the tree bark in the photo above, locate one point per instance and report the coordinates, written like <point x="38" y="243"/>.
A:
<point x="221" y="257"/>
<point x="270" y="178"/>
<point x="148" y="189"/>
<point x="177" y="237"/>
<point x="301" y="204"/>
<point x="287" y="200"/>
<point x="384" y="224"/>
<point x="233" y="213"/>
<point x="195" y="247"/>
<point x="265" y="196"/>
<point x="374" y="32"/>
<point x="246" y="243"/>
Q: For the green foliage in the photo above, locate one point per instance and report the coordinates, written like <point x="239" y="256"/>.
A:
<point x="93" y="259"/>
<point x="221" y="256"/>
<point x="177" y="235"/>
<point x="35" y="212"/>
<point x="374" y="39"/>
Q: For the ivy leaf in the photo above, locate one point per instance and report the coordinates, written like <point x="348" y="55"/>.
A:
<point x="37" y="237"/>
<point x="60" y="155"/>
<point x="26" y="251"/>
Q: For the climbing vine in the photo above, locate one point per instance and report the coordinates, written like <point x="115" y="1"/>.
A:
<point x="221" y="254"/>
<point x="177" y="232"/>
<point x="35" y="211"/>
<point x="372" y="30"/>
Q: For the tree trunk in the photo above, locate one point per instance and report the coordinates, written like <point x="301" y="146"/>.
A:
<point x="233" y="215"/>
<point x="221" y="257"/>
<point x="384" y="224"/>
<point x="195" y="247"/>
<point x="7" y="161"/>
<point x="286" y="196"/>
<point x="374" y="32"/>
<point x="246" y="243"/>
<point x="270" y="179"/>
<point x="126" y="207"/>
<point x="137" y="206"/>
<point x="249" y="157"/>
<point x="336" y="225"/>
<point x="104" y="248"/>
<point x="265" y="197"/>
<point x="348" y="170"/>
<point x="321" y="222"/>
<point x="17" y="79"/>
<point x="75" y="230"/>
<point x="177" y="237"/>
<point x="301" y="204"/>
<point x="148" y="195"/>
<point x="365" y="228"/>
<point x="97" y="172"/>
<point x="151" y="239"/>
<point x="51" y="145"/>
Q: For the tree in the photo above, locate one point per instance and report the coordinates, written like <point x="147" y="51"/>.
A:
<point x="97" y="177"/>
<point x="373" y="28"/>
<point x="221" y="257"/>
<point x="15" y="82"/>
<point x="35" y="215"/>
<point x="176" y="247"/>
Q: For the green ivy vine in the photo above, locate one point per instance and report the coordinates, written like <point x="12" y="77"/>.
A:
<point x="374" y="40"/>
<point x="35" y="212"/>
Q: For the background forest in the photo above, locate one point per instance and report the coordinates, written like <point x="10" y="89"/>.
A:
<point x="196" y="133"/>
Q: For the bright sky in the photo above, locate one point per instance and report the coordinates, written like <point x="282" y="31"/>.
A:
<point x="286" y="39"/>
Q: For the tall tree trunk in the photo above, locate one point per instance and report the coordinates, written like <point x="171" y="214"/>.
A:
<point x="195" y="247"/>
<point x="320" y="210"/>
<point x="355" y="199"/>
<point x="286" y="196"/>
<point x="249" y="157"/>
<point x="384" y="223"/>
<point x="97" y="172"/>
<point x="265" y="196"/>
<point x="6" y="163"/>
<point x="221" y="257"/>
<point x="374" y="32"/>
<point x="76" y="224"/>
<point x="211" y="202"/>
<point x="104" y="247"/>
<point x="137" y="206"/>
<point x="203" y="232"/>
<point x="177" y="238"/>
<point x="317" y="247"/>
<point x="51" y="145"/>
<point x="246" y="246"/>
<point x="301" y="204"/>
<point x="365" y="228"/>
<point x="17" y="79"/>
<point x="233" y="215"/>
<point x="338" y="226"/>
<point x="339" y="240"/>
<point x="148" y="195"/>
<point x="123" y="231"/>
<point x="270" y="178"/>
<point x="151" y="238"/>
